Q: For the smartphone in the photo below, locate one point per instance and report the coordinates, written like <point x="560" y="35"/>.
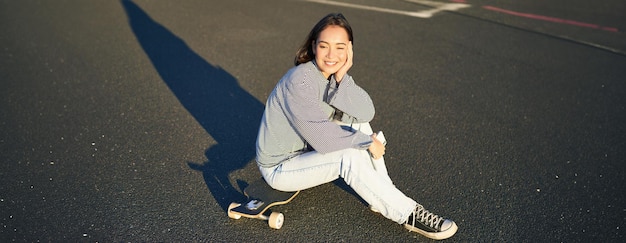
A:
<point x="381" y="137"/>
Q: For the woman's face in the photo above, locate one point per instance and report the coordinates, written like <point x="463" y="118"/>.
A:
<point x="331" y="49"/>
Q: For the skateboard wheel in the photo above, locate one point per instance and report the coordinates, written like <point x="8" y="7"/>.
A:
<point x="276" y="220"/>
<point x="230" y="213"/>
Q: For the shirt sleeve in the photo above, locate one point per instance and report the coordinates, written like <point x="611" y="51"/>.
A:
<point x="308" y="114"/>
<point x="352" y="100"/>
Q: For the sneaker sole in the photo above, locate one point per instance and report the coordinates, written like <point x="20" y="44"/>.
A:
<point x="374" y="210"/>
<point x="434" y="235"/>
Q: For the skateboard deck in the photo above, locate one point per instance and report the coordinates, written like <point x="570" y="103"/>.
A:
<point x="261" y="197"/>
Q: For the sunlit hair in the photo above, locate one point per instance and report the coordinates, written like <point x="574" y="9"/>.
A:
<point x="305" y="53"/>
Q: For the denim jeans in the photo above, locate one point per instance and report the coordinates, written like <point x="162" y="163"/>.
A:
<point x="366" y="176"/>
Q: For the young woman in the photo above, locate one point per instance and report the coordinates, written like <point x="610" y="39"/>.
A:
<point x="315" y="129"/>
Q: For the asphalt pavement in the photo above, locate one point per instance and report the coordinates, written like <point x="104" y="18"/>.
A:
<point x="135" y="120"/>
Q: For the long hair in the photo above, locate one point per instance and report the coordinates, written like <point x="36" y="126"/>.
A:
<point x="305" y="53"/>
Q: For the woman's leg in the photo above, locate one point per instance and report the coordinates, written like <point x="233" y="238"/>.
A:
<point x="367" y="177"/>
<point x="420" y="220"/>
<point x="379" y="164"/>
<point x="354" y="166"/>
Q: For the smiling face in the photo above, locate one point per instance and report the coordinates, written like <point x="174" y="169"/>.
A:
<point x="330" y="49"/>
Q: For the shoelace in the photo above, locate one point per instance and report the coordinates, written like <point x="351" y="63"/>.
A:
<point x="427" y="218"/>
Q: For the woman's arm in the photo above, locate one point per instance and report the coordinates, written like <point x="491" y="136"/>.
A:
<point x="352" y="100"/>
<point x="305" y="110"/>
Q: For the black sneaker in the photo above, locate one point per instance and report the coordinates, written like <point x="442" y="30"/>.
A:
<point x="429" y="224"/>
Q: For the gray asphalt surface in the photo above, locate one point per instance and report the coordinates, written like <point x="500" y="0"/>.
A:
<point x="135" y="121"/>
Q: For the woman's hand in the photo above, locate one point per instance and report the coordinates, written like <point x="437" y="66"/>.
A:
<point x="347" y="65"/>
<point x="377" y="149"/>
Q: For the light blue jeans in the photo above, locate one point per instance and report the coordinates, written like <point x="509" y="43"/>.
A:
<point x="366" y="176"/>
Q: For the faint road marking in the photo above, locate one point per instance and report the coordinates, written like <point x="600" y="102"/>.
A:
<point x="551" y="19"/>
<point x="437" y="7"/>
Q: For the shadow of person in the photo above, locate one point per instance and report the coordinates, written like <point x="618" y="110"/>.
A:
<point x="213" y="96"/>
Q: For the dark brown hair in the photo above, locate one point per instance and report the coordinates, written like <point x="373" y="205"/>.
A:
<point x="305" y="53"/>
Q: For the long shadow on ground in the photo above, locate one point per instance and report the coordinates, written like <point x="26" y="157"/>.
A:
<point x="213" y="96"/>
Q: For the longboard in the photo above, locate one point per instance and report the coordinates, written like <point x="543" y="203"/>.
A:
<point x="261" y="197"/>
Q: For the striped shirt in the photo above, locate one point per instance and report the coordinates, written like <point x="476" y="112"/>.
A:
<point x="299" y="114"/>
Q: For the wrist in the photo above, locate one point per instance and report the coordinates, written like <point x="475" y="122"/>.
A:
<point x="339" y="77"/>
